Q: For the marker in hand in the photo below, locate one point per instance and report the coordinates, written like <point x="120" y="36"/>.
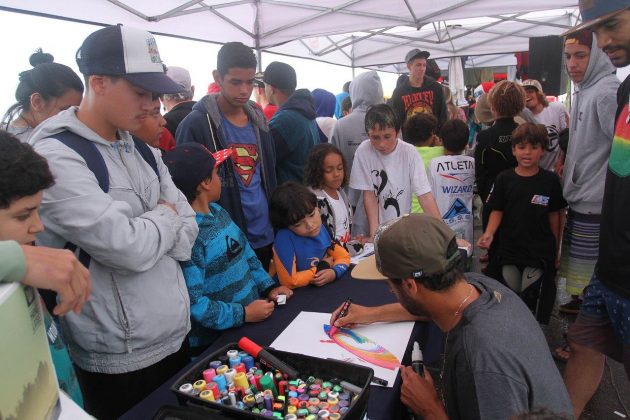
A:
<point x="416" y="359"/>
<point x="344" y="312"/>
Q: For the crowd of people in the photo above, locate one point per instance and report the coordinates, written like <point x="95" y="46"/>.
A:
<point x="149" y="234"/>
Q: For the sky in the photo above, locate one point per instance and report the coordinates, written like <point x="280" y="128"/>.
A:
<point x="23" y="34"/>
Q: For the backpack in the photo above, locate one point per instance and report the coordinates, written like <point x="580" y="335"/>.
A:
<point x="95" y="163"/>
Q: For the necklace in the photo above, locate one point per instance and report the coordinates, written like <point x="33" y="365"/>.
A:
<point x="459" y="308"/>
<point x="455" y="315"/>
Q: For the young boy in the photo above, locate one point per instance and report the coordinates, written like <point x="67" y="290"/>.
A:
<point x="132" y="226"/>
<point x="227" y="284"/>
<point x="389" y="171"/>
<point x="452" y="178"/>
<point x="153" y="127"/>
<point x="420" y="130"/>
<point x="526" y="203"/>
<point x="303" y="252"/>
<point x="23" y="176"/>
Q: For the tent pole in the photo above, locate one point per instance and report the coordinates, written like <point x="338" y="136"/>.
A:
<point x="259" y="57"/>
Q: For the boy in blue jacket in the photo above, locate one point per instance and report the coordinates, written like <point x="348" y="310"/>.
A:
<point x="226" y="282"/>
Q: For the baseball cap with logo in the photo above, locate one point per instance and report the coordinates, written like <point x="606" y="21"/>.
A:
<point x="411" y="246"/>
<point x="416" y="53"/>
<point x="191" y="163"/>
<point x="597" y="11"/>
<point x="533" y="83"/>
<point x="126" y="52"/>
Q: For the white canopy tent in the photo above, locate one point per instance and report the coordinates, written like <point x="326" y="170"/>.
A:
<point x="354" y="33"/>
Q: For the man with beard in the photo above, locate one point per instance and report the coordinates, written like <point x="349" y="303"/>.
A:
<point x="602" y="327"/>
<point x="494" y="345"/>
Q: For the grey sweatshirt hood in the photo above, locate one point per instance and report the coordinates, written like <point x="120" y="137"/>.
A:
<point x="591" y="128"/>
<point x="599" y="66"/>
<point x="366" y="90"/>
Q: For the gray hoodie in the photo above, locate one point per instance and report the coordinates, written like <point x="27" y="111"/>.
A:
<point x="139" y="311"/>
<point x="349" y="132"/>
<point x="590" y="135"/>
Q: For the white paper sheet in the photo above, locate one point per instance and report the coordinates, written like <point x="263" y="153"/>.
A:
<point x="306" y="335"/>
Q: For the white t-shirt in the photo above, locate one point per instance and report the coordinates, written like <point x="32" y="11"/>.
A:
<point x="394" y="178"/>
<point x="342" y="224"/>
<point x="554" y="117"/>
<point x="452" y="182"/>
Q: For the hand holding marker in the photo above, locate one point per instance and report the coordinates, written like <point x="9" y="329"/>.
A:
<point x="344" y="312"/>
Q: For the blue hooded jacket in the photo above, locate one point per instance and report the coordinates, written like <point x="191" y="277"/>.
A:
<point x="295" y="132"/>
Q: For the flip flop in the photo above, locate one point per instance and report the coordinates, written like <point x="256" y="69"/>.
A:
<point x="562" y="354"/>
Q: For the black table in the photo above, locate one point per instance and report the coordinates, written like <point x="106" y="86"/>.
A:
<point x="384" y="403"/>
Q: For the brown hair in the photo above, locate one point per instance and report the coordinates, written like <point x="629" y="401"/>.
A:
<point x="507" y="98"/>
<point x="530" y="133"/>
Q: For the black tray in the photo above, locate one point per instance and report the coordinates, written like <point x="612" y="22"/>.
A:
<point x="325" y="369"/>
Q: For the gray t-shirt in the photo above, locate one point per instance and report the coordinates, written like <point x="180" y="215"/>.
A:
<point x="498" y="363"/>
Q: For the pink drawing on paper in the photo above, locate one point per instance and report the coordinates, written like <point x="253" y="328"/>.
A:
<point x="364" y="348"/>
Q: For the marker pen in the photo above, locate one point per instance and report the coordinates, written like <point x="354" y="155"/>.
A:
<point x="351" y="387"/>
<point x="344" y="312"/>
<point x="207" y="395"/>
<point x="200" y="385"/>
<point x="416" y="359"/>
<point x="186" y="388"/>
<point x="379" y="381"/>
<point x="208" y="374"/>
<point x="266" y="358"/>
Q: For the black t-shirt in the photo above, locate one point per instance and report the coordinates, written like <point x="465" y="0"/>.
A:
<point x="613" y="265"/>
<point x="525" y="235"/>
<point x="177" y="114"/>
<point x="428" y="98"/>
<point x="493" y="154"/>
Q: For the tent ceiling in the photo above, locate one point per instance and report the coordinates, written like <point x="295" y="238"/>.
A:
<point x="360" y="33"/>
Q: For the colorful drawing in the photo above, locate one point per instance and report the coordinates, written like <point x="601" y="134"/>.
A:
<point x="364" y="348"/>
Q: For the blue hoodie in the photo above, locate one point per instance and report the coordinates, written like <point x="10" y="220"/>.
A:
<point x="294" y="131"/>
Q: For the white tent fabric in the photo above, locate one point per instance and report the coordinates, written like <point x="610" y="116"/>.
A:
<point x="357" y="33"/>
<point x="456" y="80"/>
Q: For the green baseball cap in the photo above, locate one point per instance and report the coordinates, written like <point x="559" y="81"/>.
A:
<point x="411" y="246"/>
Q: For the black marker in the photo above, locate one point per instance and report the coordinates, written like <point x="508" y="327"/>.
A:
<point x="379" y="381"/>
<point x="416" y="359"/>
<point x="344" y="312"/>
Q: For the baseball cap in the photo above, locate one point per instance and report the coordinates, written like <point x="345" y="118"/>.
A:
<point x="596" y="11"/>
<point x="126" y="52"/>
<point x="533" y="83"/>
<point x="482" y="110"/>
<point x="416" y="53"/>
<point x="191" y="163"/>
<point x="411" y="246"/>
<point x="280" y="75"/>
<point x="181" y="76"/>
